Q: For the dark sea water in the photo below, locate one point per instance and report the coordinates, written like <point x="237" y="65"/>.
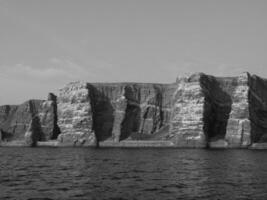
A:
<point x="83" y="173"/>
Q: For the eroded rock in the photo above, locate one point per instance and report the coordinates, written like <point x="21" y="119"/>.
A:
<point x="75" y="115"/>
<point x="34" y="132"/>
<point x="15" y="120"/>
<point x="258" y="108"/>
<point x="187" y="125"/>
<point x="239" y="125"/>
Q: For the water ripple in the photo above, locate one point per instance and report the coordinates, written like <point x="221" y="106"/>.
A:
<point x="70" y="173"/>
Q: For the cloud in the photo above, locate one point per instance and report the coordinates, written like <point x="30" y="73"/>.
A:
<point x="70" y="68"/>
<point x="56" y="70"/>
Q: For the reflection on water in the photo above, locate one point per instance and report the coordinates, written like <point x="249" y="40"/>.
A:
<point x="81" y="173"/>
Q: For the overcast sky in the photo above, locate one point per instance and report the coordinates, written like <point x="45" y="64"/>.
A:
<point x="46" y="44"/>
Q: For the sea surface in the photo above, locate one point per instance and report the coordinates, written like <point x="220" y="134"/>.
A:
<point x="85" y="173"/>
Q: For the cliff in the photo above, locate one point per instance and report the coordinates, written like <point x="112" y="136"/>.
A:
<point x="258" y="109"/>
<point x="15" y="120"/>
<point x="196" y="112"/>
<point x="75" y="115"/>
<point x="113" y="112"/>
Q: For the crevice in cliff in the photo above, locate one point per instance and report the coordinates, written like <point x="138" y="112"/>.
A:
<point x="132" y="117"/>
<point x="6" y="136"/>
<point x="35" y="123"/>
<point x="217" y="106"/>
<point x="258" y="109"/>
<point x="153" y="112"/>
<point x="130" y="124"/>
<point x="158" y="115"/>
<point x="102" y="113"/>
<point x="144" y="115"/>
<point x="56" y="129"/>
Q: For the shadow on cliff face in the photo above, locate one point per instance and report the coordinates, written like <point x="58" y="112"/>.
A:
<point x="35" y="129"/>
<point x="56" y="129"/>
<point x="6" y="136"/>
<point x="153" y="112"/>
<point x="131" y="121"/>
<point x="144" y="114"/>
<point x="258" y="108"/>
<point x="102" y="113"/>
<point x="36" y="123"/>
<point x="16" y="119"/>
<point x="217" y="105"/>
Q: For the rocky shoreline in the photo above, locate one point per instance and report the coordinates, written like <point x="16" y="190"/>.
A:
<point x="198" y="111"/>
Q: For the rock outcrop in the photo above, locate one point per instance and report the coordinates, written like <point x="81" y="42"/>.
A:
<point x="238" y="130"/>
<point x="226" y="111"/>
<point x="15" y="120"/>
<point x="197" y="111"/>
<point x="34" y="132"/>
<point x="129" y="111"/>
<point x="75" y="116"/>
<point x="187" y="124"/>
<point x="258" y="108"/>
<point x="113" y="112"/>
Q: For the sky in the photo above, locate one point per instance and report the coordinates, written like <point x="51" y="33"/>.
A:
<point x="44" y="44"/>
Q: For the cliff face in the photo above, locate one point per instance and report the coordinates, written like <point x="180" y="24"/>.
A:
<point x="258" y="109"/>
<point x="75" y="115"/>
<point x="238" y="132"/>
<point x="196" y="111"/>
<point x="113" y="112"/>
<point x="187" y="113"/>
<point x="226" y="116"/>
<point x="15" y="120"/>
<point x="211" y="111"/>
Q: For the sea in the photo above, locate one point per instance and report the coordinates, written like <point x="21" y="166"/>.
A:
<point x="137" y="173"/>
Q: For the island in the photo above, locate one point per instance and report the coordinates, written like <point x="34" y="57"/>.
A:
<point x="196" y="111"/>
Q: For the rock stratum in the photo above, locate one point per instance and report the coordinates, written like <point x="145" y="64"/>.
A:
<point x="198" y="111"/>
